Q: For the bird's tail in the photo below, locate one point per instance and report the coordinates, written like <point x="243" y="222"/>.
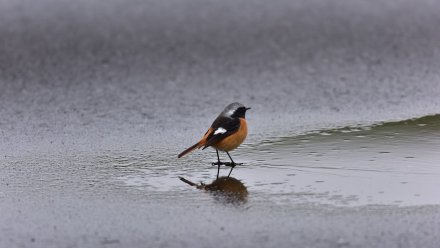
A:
<point x="195" y="146"/>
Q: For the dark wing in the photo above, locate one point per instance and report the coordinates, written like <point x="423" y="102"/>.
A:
<point x="222" y="128"/>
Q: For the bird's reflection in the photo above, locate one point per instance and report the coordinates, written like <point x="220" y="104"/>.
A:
<point x="224" y="189"/>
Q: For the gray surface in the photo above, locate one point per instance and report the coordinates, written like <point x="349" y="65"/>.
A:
<point x="72" y="203"/>
<point x="90" y="75"/>
<point x="98" y="98"/>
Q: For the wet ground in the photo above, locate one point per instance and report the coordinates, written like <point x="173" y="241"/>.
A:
<point x="98" y="98"/>
<point x="319" y="199"/>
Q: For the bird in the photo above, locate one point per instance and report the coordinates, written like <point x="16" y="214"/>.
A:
<point x="227" y="132"/>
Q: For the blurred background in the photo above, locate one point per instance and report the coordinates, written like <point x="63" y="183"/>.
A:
<point x="83" y="74"/>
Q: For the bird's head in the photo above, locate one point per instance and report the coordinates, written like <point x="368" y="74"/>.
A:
<point x="235" y="110"/>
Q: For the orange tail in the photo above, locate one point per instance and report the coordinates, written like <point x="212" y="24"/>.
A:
<point x="199" y="144"/>
<point x="195" y="146"/>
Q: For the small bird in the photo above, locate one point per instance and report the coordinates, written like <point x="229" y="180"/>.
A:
<point x="226" y="133"/>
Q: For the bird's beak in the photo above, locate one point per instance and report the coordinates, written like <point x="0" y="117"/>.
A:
<point x="248" y="108"/>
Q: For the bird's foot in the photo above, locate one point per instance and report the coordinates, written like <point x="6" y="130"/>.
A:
<point x="231" y="164"/>
<point x="217" y="163"/>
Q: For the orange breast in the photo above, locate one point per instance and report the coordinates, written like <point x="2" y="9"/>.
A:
<point x="233" y="141"/>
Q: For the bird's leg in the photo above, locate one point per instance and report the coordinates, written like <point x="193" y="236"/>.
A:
<point x="218" y="163"/>
<point x="232" y="164"/>
<point x="218" y="160"/>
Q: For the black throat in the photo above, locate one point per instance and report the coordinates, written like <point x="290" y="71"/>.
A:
<point x="239" y="113"/>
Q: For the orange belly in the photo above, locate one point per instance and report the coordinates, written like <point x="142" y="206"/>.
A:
<point x="233" y="141"/>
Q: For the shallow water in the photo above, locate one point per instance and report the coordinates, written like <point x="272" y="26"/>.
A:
<point x="343" y="137"/>
<point x="389" y="163"/>
<point x="304" y="190"/>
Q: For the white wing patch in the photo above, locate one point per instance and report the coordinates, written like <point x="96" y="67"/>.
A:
<point x="219" y="130"/>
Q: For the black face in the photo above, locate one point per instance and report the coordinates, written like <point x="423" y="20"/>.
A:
<point x="240" y="112"/>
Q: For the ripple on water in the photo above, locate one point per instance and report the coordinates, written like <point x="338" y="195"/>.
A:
<point x="390" y="163"/>
<point x="364" y="166"/>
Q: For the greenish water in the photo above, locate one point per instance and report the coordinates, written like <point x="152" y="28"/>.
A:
<point x="387" y="163"/>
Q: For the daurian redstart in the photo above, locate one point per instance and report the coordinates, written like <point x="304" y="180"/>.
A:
<point x="226" y="133"/>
